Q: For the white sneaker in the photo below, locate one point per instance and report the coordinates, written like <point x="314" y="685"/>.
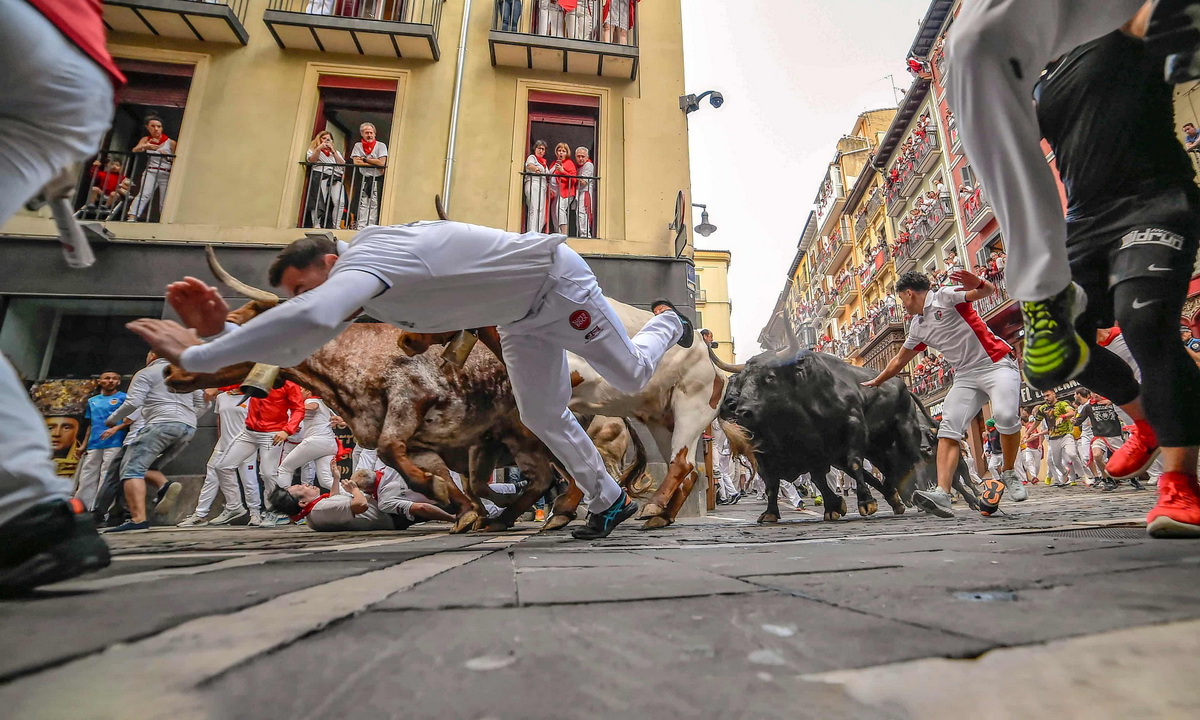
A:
<point x="192" y="520"/>
<point x="1016" y="489"/>
<point x="256" y="519"/>
<point x="934" y="502"/>
<point x="228" y="515"/>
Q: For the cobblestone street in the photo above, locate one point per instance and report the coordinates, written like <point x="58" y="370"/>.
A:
<point x="717" y="617"/>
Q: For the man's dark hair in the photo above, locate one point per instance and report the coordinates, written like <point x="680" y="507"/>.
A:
<point x="913" y="280"/>
<point x="1083" y="392"/>
<point x="146" y="120"/>
<point x="302" y="253"/>
<point x="284" y="502"/>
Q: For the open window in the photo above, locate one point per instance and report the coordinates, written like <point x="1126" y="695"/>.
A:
<point x="129" y="178"/>
<point x="344" y="169"/>
<point x="562" y="196"/>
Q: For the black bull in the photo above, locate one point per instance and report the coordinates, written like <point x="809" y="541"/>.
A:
<point x="808" y="412"/>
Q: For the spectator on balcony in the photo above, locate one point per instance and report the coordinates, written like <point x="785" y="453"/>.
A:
<point x="585" y="193"/>
<point x="579" y="18"/>
<point x="109" y="186"/>
<point x="564" y="171"/>
<point x="509" y="12"/>
<point x="537" y="190"/>
<point x="618" y="20"/>
<point x="965" y="190"/>
<point x="370" y="156"/>
<point x="1191" y="137"/>
<point x="316" y="7"/>
<point x="153" y="184"/>
<point x="325" y="202"/>
<point x="550" y="18"/>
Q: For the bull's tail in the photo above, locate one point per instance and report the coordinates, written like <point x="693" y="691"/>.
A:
<point x="740" y="443"/>
<point x="633" y="478"/>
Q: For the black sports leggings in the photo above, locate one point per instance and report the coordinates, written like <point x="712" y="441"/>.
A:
<point x="1148" y="310"/>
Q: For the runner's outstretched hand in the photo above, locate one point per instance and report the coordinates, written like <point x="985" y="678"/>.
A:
<point x="199" y="305"/>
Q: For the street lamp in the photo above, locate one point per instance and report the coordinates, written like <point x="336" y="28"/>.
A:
<point x="705" y="228"/>
<point x="691" y="103"/>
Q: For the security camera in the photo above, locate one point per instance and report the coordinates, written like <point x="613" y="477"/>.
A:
<point x="716" y="100"/>
<point x="691" y="103"/>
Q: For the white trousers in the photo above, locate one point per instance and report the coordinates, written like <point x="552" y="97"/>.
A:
<point x="154" y="182"/>
<point x="1029" y="464"/>
<point x="92" y="468"/>
<point x="999" y="382"/>
<point x="580" y="20"/>
<point x="57" y="106"/>
<point x="536" y="202"/>
<point x="994" y="462"/>
<point x="1063" y="459"/>
<point x="535" y="350"/>
<point x="996" y="51"/>
<point x="583" y="217"/>
<point x="550" y="18"/>
<point x="245" y="446"/>
<point x="789" y="492"/>
<point x="320" y="450"/>
<point x="227" y="482"/>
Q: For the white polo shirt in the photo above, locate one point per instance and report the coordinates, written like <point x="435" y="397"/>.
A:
<point x="950" y="325"/>
<point x="333" y="513"/>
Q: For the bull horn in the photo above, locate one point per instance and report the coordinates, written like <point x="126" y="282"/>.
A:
<point x="262" y="296"/>
<point x="721" y="364"/>
<point x="441" y="209"/>
<point x="793" y="342"/>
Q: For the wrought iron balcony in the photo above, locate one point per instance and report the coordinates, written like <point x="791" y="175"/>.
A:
<point x="560" y="203"/>
<point x="926" y="151"/>
<point x="580" y="42"/>
<point x="382" y="28"/>
<point x="124" y="187"/>
<point x="204" y="20"/>
<point x="977" y="211"/>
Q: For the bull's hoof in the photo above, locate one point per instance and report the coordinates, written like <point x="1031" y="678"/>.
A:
<point x="833" y="515"/>
<point x="481" y="524"/>
<point x="650" y="510"/>
<point x="655" y="523"/>
<point x="465" y="522"/>
<point x="496" y="526"/>
<point x="868" y="508"/>
<point x="768" y="517"/>
<point x="897" y="504"/>
<point x="557" y="522"/>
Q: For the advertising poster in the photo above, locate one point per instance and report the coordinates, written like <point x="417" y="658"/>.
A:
<point x="62" y="404"/>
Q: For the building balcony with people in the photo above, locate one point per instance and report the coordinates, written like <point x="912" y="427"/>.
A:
<point x="583" y="37"/>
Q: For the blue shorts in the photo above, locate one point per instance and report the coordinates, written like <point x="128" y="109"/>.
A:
<point x="155" y="446"/>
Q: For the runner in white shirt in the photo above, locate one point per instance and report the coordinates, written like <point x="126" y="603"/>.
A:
<point x="230" y="406"/>
<point x="442" y="276"/>
<point x="318" y="444"/>
<point x="945" y="320"/>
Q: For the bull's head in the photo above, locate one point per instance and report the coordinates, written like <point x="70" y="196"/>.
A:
<point x="750" y="390"/>
<point x="180" y="380"/>
<point x="788" y="351"/>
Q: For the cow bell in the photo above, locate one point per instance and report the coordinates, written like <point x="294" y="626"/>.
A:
<point x="458" y="349"/>
<point x="260" y="381"/>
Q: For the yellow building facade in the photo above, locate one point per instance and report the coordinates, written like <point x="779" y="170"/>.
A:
<point x="714" y="309"/>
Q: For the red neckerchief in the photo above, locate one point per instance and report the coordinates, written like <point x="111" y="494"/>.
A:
<point x="307" y="509"/>
<point x="542" y="160"/>
<point x="326" y="153"/>
<point x="162" y="139"/>
<point x="368" y="147"/>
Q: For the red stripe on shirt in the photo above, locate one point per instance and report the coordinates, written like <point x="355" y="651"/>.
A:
<point x="81" y="22"/>
<point x="995" y="348"/>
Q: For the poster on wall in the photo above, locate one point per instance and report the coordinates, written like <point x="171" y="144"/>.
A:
<point x="62" y="404"/>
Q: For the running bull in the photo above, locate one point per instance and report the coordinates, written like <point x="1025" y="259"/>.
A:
<point x="808" y="411"/>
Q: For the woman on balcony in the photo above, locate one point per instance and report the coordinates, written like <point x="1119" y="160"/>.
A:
<point x="537" y="189"/>
<point x="618" y="20"/>
<point x="325" y="200"/>
<point x="564" y="171"/>
<point x="550" y="18"/>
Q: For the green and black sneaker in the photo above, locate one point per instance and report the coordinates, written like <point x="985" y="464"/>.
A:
<point x="1054" y="352"/>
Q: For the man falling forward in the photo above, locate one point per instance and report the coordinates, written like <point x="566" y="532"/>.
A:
<point x="438" y="277"/>
<point x="984" y="369"/>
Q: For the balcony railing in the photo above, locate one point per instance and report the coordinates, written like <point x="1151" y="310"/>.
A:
<point x="583" y="41"/>
<point x="203" y="20"/>
<point x="976" y="210"/>
<point x="341" y="196"/>
<point x="925" y="151"/>
<point x="386" y="28"/>
<point x="936" y="381"/>
<point x="895" y="200"/>
<point x="861" y="223"/>
<point x="932" y="224"/>
<point x="874" y="201"/>
<point x="560" y="203"/>
<point x="997" y="300"/>
<point x="124" y="187"/>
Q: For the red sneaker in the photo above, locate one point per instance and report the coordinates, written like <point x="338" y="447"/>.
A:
<point x="1136" y="455"/>
<point x="1177" y="514"/>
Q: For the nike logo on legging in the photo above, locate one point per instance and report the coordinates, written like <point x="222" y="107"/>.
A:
<point x="1138" y="304"/>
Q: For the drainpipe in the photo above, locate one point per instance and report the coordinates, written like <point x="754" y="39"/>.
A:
<point x="458" y="78"/>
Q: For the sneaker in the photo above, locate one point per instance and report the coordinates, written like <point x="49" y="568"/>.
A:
<point x="228" y="515"/>
<point x="600" y="524"/>
<point x="539" y="515"/>
<point x="167" y="495"/>
<point x="49" y="542"/>
<point x="1049" y="481"/>
<point x="1137" y="454"/>
<point x="990" y="495"/>
<point x="129" y="525"/>
<point x="256" y="519"/>
<point x="934" y="502"/>
<point x="1177" y="514"/>
<point x="689" y="334"/>
<point x="192" y="520"/>
<point x="1016" y="488"/>
<point x="274" y="519"/>
<point x="1054" y="352"/>
<point x="1173" y="28"/>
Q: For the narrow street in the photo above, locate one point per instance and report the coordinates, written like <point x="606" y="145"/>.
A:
<point x="1064" y="605"/>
